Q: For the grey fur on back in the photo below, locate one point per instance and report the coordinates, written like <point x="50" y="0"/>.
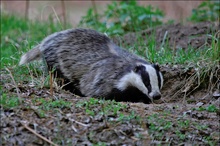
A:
<point x="103" y="76"/>
<point x="73" y="51"/>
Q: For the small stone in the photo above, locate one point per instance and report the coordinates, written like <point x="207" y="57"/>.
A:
<point x="199" y="104"/>
<point x="216" y="94"/>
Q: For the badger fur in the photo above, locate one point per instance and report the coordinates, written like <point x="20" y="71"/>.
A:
<point x="97" y="66"/>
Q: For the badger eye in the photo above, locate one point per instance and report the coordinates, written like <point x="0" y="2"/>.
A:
<point x="149" y="89"/>
<point x="148" y="86"/>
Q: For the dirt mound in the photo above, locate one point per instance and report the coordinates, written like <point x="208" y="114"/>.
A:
<point x="182" y="83"/>
<point x="177" y="35"/>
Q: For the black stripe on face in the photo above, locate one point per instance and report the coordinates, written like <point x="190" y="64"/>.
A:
<point x="141" y="70"/>
<point x="159" y="79"/>
<point x="158" y="75"/>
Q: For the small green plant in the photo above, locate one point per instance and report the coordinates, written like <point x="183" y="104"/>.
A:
<point x="180" y="135"/>
<point x="9" y="101"/>
<point x="47" y="104"/>
<point x="162" y="124"/>
<point x="201" y="127"/>
<point x="206" y="11"/>
<point x="210" y="108"/>
<point x="209" y="141"/>
<point x="107" y="106"/>
<point x="99" y="144"/>
<point x="159" y="124"/>
<point x="122" y="17"/>
<point x="183" y="123"/>
<point x="87" y="104"/>
<point x="132" y="115"/>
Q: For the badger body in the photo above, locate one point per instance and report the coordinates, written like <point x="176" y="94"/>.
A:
<point x="97" y="66"/>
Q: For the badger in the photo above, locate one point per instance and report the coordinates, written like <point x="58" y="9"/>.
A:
<point x="97" y="67"/>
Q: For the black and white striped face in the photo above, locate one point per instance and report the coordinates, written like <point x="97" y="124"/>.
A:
<point x="146" y="77"/>
<point x="152" y="79"/>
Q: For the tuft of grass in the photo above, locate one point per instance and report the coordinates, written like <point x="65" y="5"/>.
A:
<point x="210" y="108"/>
<point x="19" y="35"/>
<point x="48" y="104"/>
<point x="131" y="116"/>
<point x="7" y="101"/>
<point x="167" y="55"/>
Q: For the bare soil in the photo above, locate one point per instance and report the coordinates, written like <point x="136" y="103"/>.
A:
<point x="182" y="94"/>
<point x="176" y="36"/>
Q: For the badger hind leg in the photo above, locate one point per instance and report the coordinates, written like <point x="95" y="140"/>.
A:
<point x="71" y="87"/>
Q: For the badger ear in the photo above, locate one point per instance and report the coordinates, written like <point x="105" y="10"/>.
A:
<point x="156" y="66"/>
<point x="137" y="68"/>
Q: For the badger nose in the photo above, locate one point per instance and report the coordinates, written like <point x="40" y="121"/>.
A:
<point x="156" y="96"/>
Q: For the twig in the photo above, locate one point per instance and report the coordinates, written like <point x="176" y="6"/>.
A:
<point x="51" y="83"/>
<point x="40" y="136"/>
<point x="17" y="90"/>
<point x="31" y="73"/>
<point x="85" y="125"/>
<point x="164" y="39"/>
<point x="27" y="9"/>
<point x="54" y="14"/>
<point x="103" y="110"/>
<point x="64" y="12"/>
<point x="63" y="85"/>
<point x="95" y="10"/>
<point x="74" y="128"/>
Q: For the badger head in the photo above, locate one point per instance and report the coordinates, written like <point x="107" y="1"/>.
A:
<point x="147" y="78"/>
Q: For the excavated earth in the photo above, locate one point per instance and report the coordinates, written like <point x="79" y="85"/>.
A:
<point x="182" y="117"/>
<point x="178" y="36"/>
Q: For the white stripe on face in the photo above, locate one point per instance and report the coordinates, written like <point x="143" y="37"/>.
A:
<point x="153" y="79"/>
<point x="161" y="79"/>
<point x="132" y="79"/>
<point x="135" y="80"/>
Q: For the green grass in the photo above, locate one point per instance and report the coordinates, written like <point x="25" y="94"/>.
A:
<point x="8" y="101"/>
<point x="128" y="17"/>
<point x="52" y="104"/>
<point x="108" y="106"/>
<point x="163" y="124"/>
<point x="166" y="55"/>
<point x="19" y="36"/>
<point x="210" y="108"/>
<point x="122" y="17"/>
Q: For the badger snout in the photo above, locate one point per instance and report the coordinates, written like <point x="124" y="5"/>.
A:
<point x="155" y="95"/>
